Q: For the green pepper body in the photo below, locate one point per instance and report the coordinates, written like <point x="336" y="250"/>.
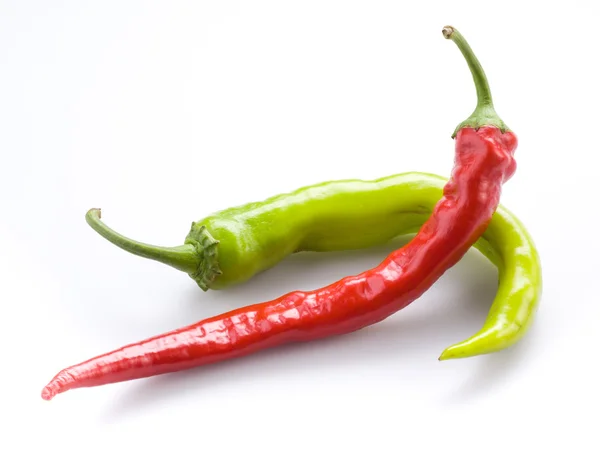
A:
<point x="233" y="245"/>
<point x="331" y="216"/>
<point x="506" y="243"/>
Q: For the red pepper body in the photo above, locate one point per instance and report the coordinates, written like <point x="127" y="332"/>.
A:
<point x="483" y="162"/>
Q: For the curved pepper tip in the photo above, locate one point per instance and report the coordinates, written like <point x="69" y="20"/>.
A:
<point x="481" y="344"/>
<point x="478" y="344"/>
<point x="475" y="345"/>
<point x="48" y="393"/>
<point x="448" y="354"/>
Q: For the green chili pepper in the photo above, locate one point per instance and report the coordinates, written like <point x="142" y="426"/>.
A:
<point x="233" y="245"/>
<point x="508" y="245"/>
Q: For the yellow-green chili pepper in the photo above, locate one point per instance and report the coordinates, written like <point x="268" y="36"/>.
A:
<point x="233" y="245"/>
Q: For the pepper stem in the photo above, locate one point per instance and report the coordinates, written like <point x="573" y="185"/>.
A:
<point x="183" y="258"/>
<point x="484" y="114"/>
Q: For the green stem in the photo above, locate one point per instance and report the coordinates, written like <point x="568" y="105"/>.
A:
<point x="183" y="258"/>
<point x="484" y="114"/>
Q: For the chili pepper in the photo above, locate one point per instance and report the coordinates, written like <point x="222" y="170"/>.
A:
<point x="483" y="163"/>
<point x="506" y="243"/>
<point x="233" y="245"/>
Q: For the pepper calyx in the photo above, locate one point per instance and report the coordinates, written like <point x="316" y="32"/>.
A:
<point x="207" y="254"/>
<point x="482" y="116"/>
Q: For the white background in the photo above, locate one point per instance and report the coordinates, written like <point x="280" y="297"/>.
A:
<point x="163" y="112"/>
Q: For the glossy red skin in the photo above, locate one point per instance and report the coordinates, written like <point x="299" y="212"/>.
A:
<point x="483" y="162"/>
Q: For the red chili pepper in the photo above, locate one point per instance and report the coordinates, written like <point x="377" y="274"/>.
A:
<point x="483" y="162"/>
